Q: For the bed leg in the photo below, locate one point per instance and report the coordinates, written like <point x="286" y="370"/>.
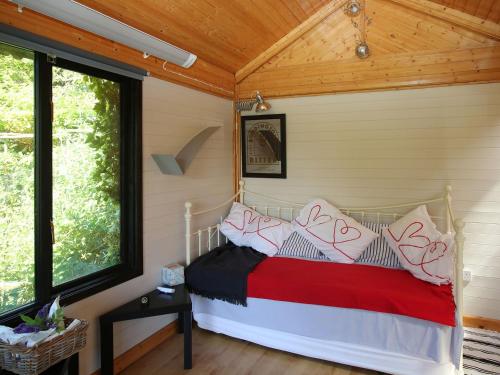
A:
<point x="459" y="270"/>
<point x="242" y="192"/>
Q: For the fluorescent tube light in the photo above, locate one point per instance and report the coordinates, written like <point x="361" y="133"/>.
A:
<point x="79" y="15"/>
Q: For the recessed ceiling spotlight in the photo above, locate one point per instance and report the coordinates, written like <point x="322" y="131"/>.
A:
<point x="352" y="8"/>
<point x="362" y="50"/>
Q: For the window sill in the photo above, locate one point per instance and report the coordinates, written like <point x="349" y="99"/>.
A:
<point x="75" y="291"/>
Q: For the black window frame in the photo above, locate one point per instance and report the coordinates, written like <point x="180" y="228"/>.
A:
<point x="131" y="245"/>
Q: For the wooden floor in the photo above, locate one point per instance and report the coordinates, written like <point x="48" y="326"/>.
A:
<point x="217" y="354"/>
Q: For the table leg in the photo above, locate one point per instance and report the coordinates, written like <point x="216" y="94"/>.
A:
<point x="73" y="365"/>
<point x="188" y="326"/>
<point x="180" y="323"/>
<point x="106" y="347"/>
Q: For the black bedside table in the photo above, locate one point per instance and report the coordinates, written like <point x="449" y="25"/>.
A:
<point x="159" y="304"/>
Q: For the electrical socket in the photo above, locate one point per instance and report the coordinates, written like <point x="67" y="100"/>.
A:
<point x="467" y="276"/>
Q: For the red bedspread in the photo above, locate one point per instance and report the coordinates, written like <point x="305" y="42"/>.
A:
<point x="352" y="286"/>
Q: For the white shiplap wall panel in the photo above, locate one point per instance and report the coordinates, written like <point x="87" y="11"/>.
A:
<point x="171" y="116"/>
<point x="395" y="146"/>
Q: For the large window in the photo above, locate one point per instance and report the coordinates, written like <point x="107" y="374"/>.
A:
<point x="17" y="182"/>
<point x="70" y="187"/>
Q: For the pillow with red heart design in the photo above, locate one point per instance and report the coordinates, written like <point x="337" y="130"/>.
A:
<point x="338" y="236"/>
<point x="421" y="249"/>
<point x="246" y="227"/>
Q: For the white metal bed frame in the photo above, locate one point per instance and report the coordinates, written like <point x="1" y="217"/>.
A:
<point x="452" y="223"/>
<point x="214" y="238"/>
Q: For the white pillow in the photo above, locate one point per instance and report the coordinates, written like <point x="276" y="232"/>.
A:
<point x="421" y="248"/>
<point x="339" y="237"/>
<point x="246" y="227"/>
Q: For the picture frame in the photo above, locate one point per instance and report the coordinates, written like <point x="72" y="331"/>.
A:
<point x="263" y="146"/>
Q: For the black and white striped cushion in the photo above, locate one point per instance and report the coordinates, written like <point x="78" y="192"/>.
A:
<point x="297" y="246"/>
<point x="378" y="253"/>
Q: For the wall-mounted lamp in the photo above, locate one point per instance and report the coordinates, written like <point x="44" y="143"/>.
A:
<point x="262" y="106"/>
<point x="247" y="105"/>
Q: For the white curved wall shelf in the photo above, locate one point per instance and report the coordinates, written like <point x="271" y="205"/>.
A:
<point x="177" y="165"/>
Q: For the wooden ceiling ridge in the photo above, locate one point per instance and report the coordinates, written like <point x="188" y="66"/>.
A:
<point x="310" y="23"/>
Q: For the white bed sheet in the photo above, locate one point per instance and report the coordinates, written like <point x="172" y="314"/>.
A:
<point x="407" y="345"/>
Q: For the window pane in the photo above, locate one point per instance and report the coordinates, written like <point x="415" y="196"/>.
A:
<point x="17" y="186"/>
<point x="86" y="174"/>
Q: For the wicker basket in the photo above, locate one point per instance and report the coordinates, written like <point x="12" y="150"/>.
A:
<point x="31" y="361"/>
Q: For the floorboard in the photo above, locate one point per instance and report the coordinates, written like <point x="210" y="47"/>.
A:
<point x="216" y="354"/>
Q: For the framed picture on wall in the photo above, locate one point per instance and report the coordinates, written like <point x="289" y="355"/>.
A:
<point x="263" y="146"/>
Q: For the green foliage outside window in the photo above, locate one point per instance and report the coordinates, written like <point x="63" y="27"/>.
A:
<point x="86" y="176"/>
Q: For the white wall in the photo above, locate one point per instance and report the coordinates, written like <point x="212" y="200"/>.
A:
<point x="386" y="147"/>
<point x="171" y="116"/>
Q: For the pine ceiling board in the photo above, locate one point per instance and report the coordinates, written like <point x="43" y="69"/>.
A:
<point x="283" y="14"/>
<point x="333" y="39"/>
<point x="495" y="12"/>
<point x="384" y="72"/>
<point x="409" y="48"/>
<point x="225" y="33"/>
<point x="306" y="5"/>
<point x="485" y="9"/>
<point x="292" y="36"/>
<point x="295" y="8"/>
<point x="462" y="4"/>
<point x="167" y="20"/>
<point x="274" y="12"/>
<point x="471" y="6"/>
<point x="391" y="30"/>
<point x="417" y="32"/>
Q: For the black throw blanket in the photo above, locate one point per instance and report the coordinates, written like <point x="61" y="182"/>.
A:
<point x="223" y="272"/>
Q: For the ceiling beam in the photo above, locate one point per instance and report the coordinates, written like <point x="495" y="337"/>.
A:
<point x="289" y="38"/>
<point x="383" y="72"/>
<point x="453" y="16"/>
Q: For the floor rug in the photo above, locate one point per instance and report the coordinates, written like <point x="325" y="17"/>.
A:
<point x="481" y="352"/>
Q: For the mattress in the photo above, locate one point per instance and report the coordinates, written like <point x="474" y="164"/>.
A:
<point x="381" y="341"/>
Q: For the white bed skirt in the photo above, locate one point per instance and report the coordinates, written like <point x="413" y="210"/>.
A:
<point x="313" y="331"/>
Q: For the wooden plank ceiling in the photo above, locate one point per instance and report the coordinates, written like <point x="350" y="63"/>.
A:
<point x="298" y="47"/>
<point x="225" y="33"/>
<point x="202" y="75"/>
<point x="485" y="9"/>
<point x="412" y="43"/>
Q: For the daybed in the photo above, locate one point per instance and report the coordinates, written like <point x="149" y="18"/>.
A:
<point x="355" y="314"/>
